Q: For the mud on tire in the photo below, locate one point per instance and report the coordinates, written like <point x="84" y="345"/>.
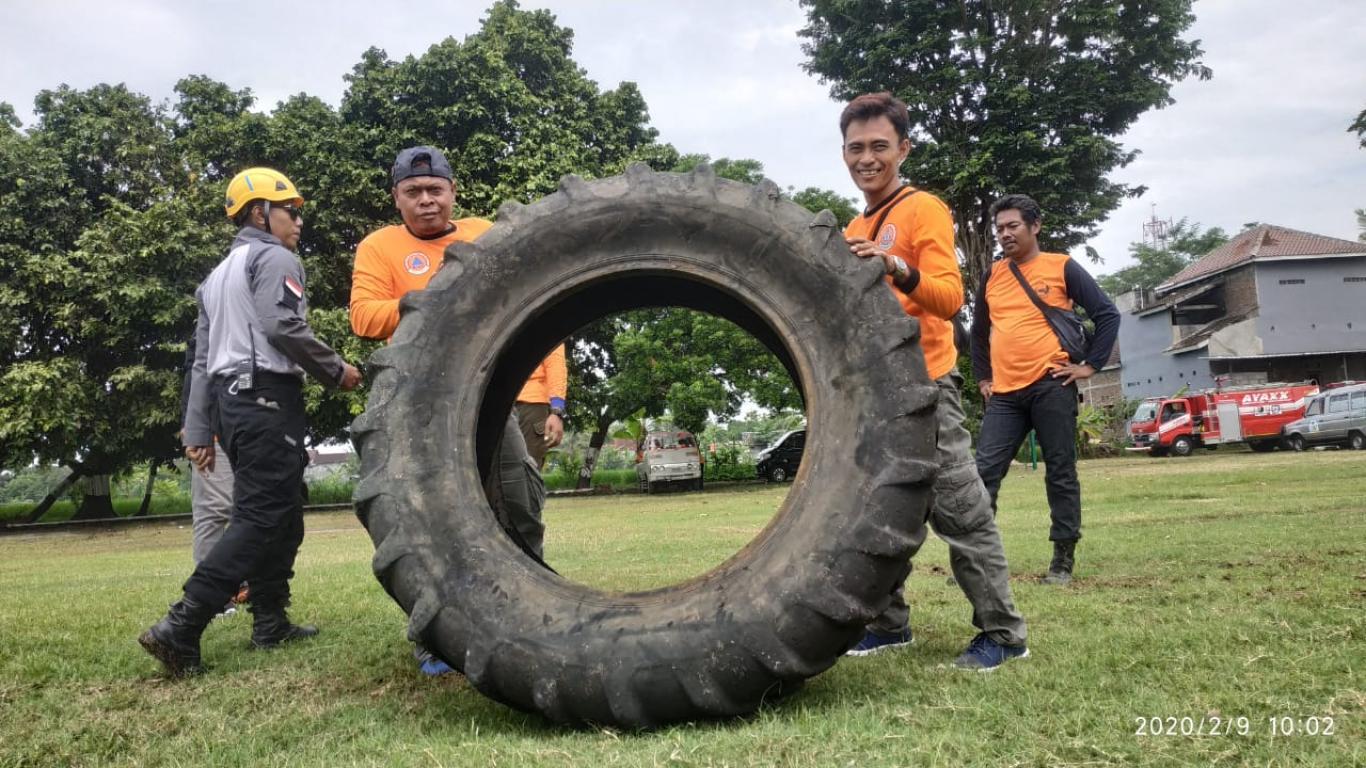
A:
<point x="782" y="609"/>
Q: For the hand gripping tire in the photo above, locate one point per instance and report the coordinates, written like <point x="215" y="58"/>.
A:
<point x="779" y="611"/>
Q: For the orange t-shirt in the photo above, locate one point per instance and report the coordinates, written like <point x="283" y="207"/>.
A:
<point x="920" y="230"/>
<point x="391" y="262"/>
<point x="1023" y="344"/>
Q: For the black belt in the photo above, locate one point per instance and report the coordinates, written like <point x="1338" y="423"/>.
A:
<point x="262" y="377"/>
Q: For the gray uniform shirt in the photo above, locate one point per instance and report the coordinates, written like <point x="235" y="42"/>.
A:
<point x="252" y="308"/>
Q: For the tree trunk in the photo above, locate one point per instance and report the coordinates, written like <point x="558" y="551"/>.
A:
<point x="590" y="456"/>
<point x="977" y="246"/>
<point x="146" y="505"/>
<point x="52" y="497"/>
<point x="96" y="504"/>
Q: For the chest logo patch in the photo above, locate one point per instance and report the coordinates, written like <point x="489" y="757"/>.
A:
<point x="417" y="263"/>
<point x="1041" y="289"/>
<point x="886" y="237"/>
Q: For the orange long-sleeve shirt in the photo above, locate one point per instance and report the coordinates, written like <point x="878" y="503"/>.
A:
<point x="549" y="382"/>
<point x="392" y="261"/>
<point x="920" y="230"/>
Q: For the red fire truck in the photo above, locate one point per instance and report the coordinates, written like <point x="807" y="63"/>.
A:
<point x="1254" y="415"/>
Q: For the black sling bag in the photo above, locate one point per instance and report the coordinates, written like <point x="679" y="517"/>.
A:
<point x="1072" y="333"/>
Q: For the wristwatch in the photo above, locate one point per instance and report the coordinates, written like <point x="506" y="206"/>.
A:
<point x="556" y="410"/>
<point x="899" y="269"/>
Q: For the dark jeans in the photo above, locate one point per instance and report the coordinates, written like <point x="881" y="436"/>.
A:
<point x="1050" y="409"/>
<point x="262" y="432"/>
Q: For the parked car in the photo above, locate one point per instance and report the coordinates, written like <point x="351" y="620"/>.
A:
<point x="778" y="462"/>
<point x="669" y="458"/>
<point x="1336" y="417"/>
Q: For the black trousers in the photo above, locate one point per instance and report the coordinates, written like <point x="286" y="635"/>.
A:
<point x="262" y="432"/>
<point x="1050" y="409"/>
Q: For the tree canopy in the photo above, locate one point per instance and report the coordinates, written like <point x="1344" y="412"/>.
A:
<point x="110" y="215"/>
<point x="1023" y="97"/>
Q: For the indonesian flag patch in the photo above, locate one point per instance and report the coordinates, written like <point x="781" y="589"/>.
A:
<point x="293" y="287"/>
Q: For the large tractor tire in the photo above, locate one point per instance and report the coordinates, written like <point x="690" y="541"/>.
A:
<point x="753" y="629"/>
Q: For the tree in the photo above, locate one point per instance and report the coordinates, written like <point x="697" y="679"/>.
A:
<point x="111" y="214"/>
<point x="1015" y="97"/>
<point x="1186" y="242"/>
<point x="816" y="200"/>
<point x="1359" y="128"/>
<point x="508" y="103"/>
<point x="678" y="361"/>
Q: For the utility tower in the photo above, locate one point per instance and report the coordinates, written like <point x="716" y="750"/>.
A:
<point x="1156" y="231"/>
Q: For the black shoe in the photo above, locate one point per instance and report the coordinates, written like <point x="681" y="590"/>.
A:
<point x="1064" y="557"/>
<point x="174" y="640"/>
<point x="272" y="627"/>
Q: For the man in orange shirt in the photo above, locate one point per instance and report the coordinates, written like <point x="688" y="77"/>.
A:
<point x="1026" y="378"/>
<point x="397" y="259"/>
<point x="540" y="406"/>
<point x="911" y="232"/>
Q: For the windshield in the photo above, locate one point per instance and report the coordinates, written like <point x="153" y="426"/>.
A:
<point x="1145" y="412"/>
<point x="667" y="441"/>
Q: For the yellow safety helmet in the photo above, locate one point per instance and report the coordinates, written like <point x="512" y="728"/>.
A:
<point x="259" y="184"/>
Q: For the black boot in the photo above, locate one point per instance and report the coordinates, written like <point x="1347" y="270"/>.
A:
<point x="1064" y="556"/>
<point x="174" y="640"/>
<point x="272" y="627"/>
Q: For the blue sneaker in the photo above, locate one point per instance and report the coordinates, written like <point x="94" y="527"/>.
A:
<point x="877" y="642"/>
<point x="430" y="665"/>
<point x="984" y="654"/>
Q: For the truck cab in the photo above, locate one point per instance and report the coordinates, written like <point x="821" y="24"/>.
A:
<point x="1166" y="425"/>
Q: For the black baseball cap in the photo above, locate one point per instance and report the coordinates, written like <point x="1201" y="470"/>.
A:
<point x="420" y="161"/>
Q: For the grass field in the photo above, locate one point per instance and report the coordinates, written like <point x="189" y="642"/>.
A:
<point x="1228" y="585"/>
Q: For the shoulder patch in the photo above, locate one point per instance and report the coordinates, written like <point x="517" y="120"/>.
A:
<point x="293" y="287"/>
<point x="417" y="263"/>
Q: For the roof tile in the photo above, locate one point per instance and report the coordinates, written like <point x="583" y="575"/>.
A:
<point x="1262" y="242"/>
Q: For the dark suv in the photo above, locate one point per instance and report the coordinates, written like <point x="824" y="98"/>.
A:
<point x="779" y="461"/>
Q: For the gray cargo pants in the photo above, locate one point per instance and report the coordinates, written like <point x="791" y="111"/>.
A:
<point x="961" y="515"/>
<point x="210" y="503"/>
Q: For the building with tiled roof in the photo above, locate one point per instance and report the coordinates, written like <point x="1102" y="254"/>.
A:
<point x="1272" y="304"/>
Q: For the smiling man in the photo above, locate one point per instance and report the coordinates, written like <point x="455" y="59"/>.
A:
<point x="910" y="232"/>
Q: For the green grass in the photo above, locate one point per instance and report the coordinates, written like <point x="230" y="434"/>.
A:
<point x="617" y="478"/>
<point x="1225" y="583"/>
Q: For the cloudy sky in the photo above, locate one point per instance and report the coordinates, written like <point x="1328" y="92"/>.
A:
<point x="1265" y="140"/>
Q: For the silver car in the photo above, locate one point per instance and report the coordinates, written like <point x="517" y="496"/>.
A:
<point x="1337" y="416"/>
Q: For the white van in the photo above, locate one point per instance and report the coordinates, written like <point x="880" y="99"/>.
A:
<point x="669" y="457"/>
<point x="1337" y="416"/>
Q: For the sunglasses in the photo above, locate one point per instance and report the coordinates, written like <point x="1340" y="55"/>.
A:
<point x="292" y="210"/>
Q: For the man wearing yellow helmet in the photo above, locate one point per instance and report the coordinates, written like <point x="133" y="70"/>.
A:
<point x="252" y="348"/>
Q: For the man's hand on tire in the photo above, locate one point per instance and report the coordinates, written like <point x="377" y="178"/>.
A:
<point x="351" y="377"/>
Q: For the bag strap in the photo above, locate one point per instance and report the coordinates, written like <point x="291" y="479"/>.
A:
<point x="896" y="200"/>
<point x="1029" y="291"/>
